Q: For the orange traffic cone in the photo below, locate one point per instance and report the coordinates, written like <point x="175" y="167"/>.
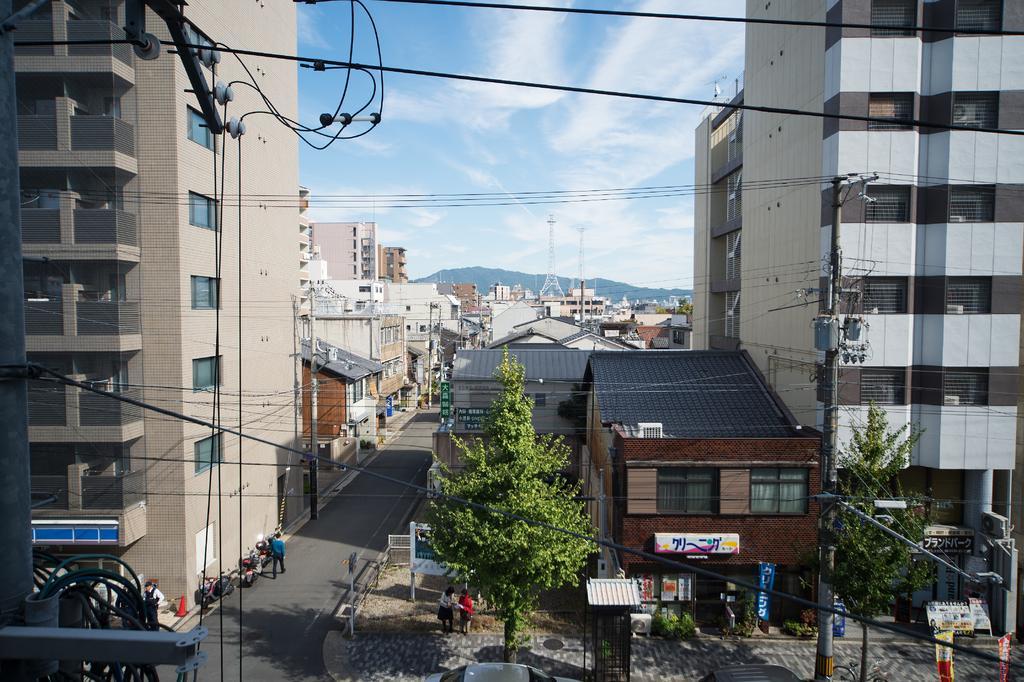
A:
<point x="182" y="612"/>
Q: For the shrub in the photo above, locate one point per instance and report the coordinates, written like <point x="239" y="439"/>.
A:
<point x="667" y="624"/>
<point x="798" y="629"/>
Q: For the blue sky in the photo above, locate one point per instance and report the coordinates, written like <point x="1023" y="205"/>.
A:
<point x="440" y="136"/>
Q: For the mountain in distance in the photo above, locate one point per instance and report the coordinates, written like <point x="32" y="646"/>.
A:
<point x="483" y="278"/>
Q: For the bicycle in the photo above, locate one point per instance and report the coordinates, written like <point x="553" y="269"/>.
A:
<point x="851" y="673"/>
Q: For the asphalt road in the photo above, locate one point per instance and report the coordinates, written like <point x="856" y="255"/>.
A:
<point x="284" y="621"/>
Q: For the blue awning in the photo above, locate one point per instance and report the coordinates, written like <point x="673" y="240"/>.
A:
<point x="75" y="532"/>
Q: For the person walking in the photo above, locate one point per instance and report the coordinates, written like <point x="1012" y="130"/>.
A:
<point x="465" y="611"/>
<point x="277" y="553"/>
<point x="151" y="597"/>
<point x="446" y="610"/>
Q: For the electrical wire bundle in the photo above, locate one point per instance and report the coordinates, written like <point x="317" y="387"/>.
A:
<point x="93" y="598"/>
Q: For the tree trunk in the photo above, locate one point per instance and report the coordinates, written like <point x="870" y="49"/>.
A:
<point x="511" y="643"/>
<point x="864" y="653"/>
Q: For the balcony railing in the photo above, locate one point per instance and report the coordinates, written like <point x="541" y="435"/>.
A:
<point x="102" y="133"/>
<point x="33" y="30"/>
<point x="57" y="486"/>
<point x="113" y="492"/>
<point x="47" y="405"/>
<point x="105" y="226"/>
<point x="99" y="410"/>
<point x="97" y="318"/>
<point x="37" y="132"/>
<point x="40" y="225"/>
<point x="44" y="318"/>
<point x="97" y="30"/>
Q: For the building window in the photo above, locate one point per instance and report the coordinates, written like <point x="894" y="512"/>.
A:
<point x="976" y="109"/>
<point x="888" y="204"/>
<point x="891" y="18"/>
<point x="732" y="314"/>
<point x="202" y="211"/>
<point x="778" y="491"/>
<point x="978" y="15"/>
<point x="885" y="295"/>
<point x="540" y="399"/>
<point x="207" y="453"/>
<point x="688" y="491"/>
<point x="965" y="387"/>
<point x="197" y="130"/>
<point x="733" y="254"/>
<point x="892" y="105"/>
<point x="972" y="203"/>
<point x="968" y="295"/>
<point x="734" y="198"/>
<point x="883" y="386"/>
<point x="204" y="373"/>
<point x="204" y="293"/>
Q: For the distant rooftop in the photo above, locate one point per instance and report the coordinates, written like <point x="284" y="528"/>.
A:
<point x="551" y="364"/>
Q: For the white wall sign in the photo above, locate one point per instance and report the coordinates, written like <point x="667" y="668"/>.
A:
<point x="698" y="544"/>
<point x="421" y="553"/>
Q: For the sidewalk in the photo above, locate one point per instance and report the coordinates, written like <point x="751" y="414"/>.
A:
<point x="373" y="656"/>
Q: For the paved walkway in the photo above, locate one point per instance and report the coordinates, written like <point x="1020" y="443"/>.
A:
<point x="373" y="657"/>
<point x="279" y="631"/>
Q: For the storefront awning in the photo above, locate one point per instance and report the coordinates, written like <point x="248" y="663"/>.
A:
<point x="75" y="532"/>
<point x="621" y="592"/>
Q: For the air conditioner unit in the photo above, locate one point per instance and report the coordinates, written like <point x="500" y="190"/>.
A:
<point x="952" y="400"/>
<point x="650" y="429"/>
<point x="957" y="219"/>
<point x="954" y="309"/>
<point x="640" y="623"/>
<point x="995" y="526"/>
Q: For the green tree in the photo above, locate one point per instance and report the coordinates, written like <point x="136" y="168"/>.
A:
<point x="870" y="566"/>
<point x="517" y="471"/>
<point x="685" y="308"/>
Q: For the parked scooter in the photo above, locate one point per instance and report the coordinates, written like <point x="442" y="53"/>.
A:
<point x="250" y="568"/>
<point x="263" y="549"/>
<point x="213" y="589"/>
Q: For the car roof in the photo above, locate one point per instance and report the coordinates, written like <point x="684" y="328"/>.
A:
<point x="496" y="672"/>
<point x="755" y="673"/>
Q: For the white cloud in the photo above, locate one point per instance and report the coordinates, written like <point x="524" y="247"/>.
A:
<point x="308" y="26"/>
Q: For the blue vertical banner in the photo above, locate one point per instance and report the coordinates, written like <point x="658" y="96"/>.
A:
<point x="389" y="406"/>
<point x="839" y="619"/>
<point x="766" y="581"/>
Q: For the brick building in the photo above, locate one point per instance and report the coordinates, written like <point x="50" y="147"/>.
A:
<point x="702" y="464"/>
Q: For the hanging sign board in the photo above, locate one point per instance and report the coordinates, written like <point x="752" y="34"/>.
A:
<point x="698" y="544"/>
<point x="421" y="553"/>
<point x="953" y="616"/>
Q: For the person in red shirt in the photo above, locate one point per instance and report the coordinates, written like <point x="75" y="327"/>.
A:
<point x="465" y="611"/>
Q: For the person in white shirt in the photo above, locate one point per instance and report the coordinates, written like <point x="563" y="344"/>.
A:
<point x="151" y="597"/>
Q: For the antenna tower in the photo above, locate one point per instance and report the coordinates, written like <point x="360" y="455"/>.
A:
<point x="551" y="286"/>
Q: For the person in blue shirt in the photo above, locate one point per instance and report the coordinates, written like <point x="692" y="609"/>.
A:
<point x="277" y="552"/>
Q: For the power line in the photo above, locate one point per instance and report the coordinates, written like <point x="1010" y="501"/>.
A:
<point x="685" y="17"/>
<point x="320" y="64"/>
<point x="540" y="524"/>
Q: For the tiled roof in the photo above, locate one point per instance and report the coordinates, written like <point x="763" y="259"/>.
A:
<point x="550" y="364"/>
<point x="693" y="394"/>
<point x="613" y="592"/>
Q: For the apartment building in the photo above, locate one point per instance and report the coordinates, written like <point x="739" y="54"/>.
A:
<point x="392" y="264"/>
<point x="934" y="252"/>
<point x="349" y="249"/>
<point x="714" y="470"/>
<point x="119" y="222"/>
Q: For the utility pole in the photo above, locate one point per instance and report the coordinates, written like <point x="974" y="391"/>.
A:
<point x="824" y="661"/>
<point x="15" y="503"/>
<point x="314" y="386"/>
<point x="430" y="353"/>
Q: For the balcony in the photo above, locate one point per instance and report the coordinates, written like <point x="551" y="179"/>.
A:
<point x="47" y="404"/>
<point x="103" y="318"/>
<point x="98" y="30"/>
<point x="40" y="225"/>
<point x="104" y="226"/>
<point x="37" y="132"/>
<point x="44" y="318"/>
<point x="99" y="410"/>
<point x="33" y="30"/>
<point x="102" y="133"/>
<point x="57" y="486"/>
<point x="113" y="492"/>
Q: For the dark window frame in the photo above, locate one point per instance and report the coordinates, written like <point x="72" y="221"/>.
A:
<point x="875" y="192"/>
<point x="898" y="99"/>
<point x="899" y="390"/>
<point x="206" y="463"/>
<point x="777" y="482"/>
<point x="685" y="476"/>
<point x="211" y="208"/>
<point x="217" y="378"/>
<point x="210" y="140"/>
<point x="981" y="394"/>
<point x="877" y="281"/>
<point x="214" y="288"/>
<point x="986" y="296"/>
<point x="896" y="30"/>
<point x="958" y="18"/>
<point x="961" y="193"/>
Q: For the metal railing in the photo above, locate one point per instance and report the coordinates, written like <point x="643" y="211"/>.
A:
<point x="56" y="486"/>
<point x="113" y="492"/>
<point x="33" y="30"/>
<point x="102" y="133"/>
<point x="99" y="410"/>
<point x="44" y="318"/>
<point x="47" y="405"/>
<point x="37" y="132"/>
<point x="104" y="226"/>
<point x="97" y="318"/>
<point x="98" y="29"/>
<point x="40" y="225"/>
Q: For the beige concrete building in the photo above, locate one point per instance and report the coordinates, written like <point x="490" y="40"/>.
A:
<point x="934" y="254"/>
<point x="392" y="264"/>
<point x="349" y="249"/>
<point x="119" y="225"/>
